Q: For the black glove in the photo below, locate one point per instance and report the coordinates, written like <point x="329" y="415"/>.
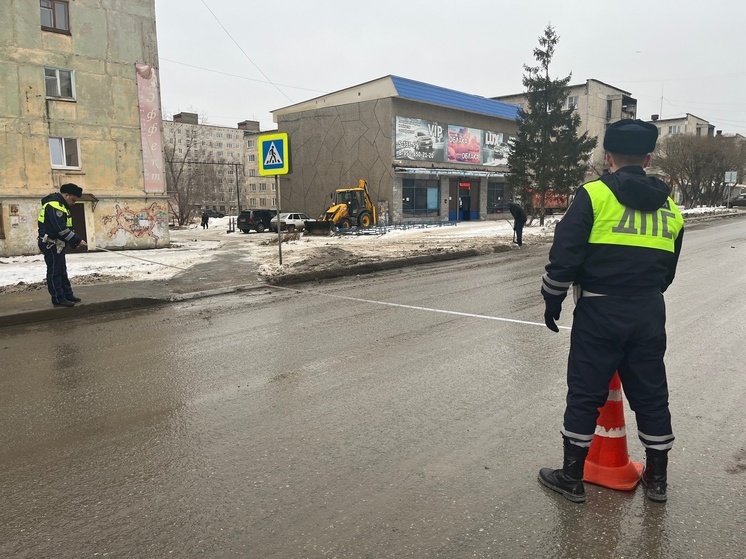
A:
<point x="552" y="313"/>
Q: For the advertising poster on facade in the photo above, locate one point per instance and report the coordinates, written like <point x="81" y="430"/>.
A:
<point x="464" y="145"/>
<point x="495" y="149"/>
<point x="419" y="140"/>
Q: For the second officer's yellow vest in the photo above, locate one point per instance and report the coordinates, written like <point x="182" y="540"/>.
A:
<point x="57" y="206"/>
<point x="616" y="224"/>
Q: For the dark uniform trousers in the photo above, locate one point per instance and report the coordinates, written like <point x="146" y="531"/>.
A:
<point x="624" y="334"/>
<point x="58" y="283"/>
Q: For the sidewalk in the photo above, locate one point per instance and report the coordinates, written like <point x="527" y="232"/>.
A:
<point x="231" y="263"/>
<point x="225" y="269"/>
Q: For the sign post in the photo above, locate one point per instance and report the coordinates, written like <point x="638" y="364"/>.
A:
<point x="274" y="159"/>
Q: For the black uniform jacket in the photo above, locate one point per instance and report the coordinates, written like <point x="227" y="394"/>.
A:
<point x="55" y="222"/>
<point x="610" y="269"/>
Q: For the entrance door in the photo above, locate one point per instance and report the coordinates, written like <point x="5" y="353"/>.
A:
<point x="78" y="214"/>
<point x="465" y="208"/>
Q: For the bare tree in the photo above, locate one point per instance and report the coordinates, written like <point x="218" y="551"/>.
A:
<point x="697" y="166"/>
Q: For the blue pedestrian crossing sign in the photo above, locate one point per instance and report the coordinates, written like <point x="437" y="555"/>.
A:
<point x="274" y="154"/>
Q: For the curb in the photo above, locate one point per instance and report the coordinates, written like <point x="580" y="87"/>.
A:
<point x="79" y="311"/>
<point x="370" y="267"/>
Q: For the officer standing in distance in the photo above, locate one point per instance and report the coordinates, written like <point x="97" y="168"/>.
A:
<point x="55" y="235"/>
<point x="618" y="246"/>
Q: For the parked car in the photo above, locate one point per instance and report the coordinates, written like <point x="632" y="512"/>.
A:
<point x="290" y="222"/>
<point x="254" y="219"/>
<point x="212" y="213"/>
<point x="739" y="200"/>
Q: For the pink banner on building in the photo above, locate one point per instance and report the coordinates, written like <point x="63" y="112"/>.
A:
<point x="148" y="96"/>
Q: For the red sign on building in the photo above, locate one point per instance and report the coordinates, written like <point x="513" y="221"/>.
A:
<point x="150" y="128"/>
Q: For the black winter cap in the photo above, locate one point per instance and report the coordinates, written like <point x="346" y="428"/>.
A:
<point x="631" y="136"/>
<point x="70" y="188"/>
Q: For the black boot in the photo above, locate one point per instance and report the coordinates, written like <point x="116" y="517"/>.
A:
<point x="569" y="480"/>
<point x="654" y="477"/>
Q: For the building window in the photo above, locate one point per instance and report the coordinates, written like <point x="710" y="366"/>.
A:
<point x="674" y="129"/>
<point x="496" y="203"/>
<point x="420" y="198"/>
<point x="253" y="186"/>
<point x="572" y="102"/>
<point x="229" y="136"/>
<point x="59" y="83"/>
<point x="262" y="202"/>
<point x="64" y="153"/>
<point x="252" y="201"/>
<point x="252" y="172"/>
<point x="262" y="186"/>
<point x="274" y="202"/>
<point x="55" y="15"/>
<point x="274" y="187"/>
<point x="252" y="157"/>
<point x="251" y="143"/>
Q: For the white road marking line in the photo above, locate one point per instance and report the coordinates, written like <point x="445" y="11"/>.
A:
<point x="416" y="308"/>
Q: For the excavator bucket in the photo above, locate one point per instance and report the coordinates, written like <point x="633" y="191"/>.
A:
<point x="319" y="228"/>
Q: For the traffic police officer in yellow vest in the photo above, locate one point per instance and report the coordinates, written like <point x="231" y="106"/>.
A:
<point x="55" y="235"/>
<point x="618" y="246"/>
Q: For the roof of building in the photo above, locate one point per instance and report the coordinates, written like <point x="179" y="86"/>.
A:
<point x="570" y="86"/>
<point x="398" y="87"/>
<point x="436" y="95"/>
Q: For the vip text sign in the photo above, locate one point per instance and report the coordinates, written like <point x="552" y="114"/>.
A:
<point x="274" y="154"/>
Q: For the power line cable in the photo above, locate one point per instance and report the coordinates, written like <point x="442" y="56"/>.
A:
<point x="244" y="52"/>
<point x="237" y="76"/>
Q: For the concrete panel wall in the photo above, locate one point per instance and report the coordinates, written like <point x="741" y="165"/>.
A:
<point x="335" y="147"/>
<point x="107" y="38"/>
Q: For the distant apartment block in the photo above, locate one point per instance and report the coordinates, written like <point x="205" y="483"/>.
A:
<point x="598" y="104"/>
<point x="687" y="124"/>
<point x="225" y="158"/>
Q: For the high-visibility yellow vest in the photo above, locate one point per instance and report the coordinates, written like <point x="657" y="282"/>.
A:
<point x="616" y="224"/>
<point x="57" y="206"/>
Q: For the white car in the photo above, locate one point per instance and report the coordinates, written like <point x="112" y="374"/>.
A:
<point x="290" y="222"/>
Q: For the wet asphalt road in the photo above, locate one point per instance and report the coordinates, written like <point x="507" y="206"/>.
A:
<point x="295" y="423"/>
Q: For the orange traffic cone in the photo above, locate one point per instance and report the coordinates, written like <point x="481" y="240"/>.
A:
<point x="608" y="463"/>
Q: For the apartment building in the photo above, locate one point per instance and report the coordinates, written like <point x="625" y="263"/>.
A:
<point x="598" y="104"/>
<point x="687" y="124"/>
<point x="80" y="103"/>
<point x="220" y="160"/>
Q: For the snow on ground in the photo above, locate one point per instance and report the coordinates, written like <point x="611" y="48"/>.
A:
<point x="194" y="245"/>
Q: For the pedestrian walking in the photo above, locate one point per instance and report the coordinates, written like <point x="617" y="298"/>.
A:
<point x="618" y="246"/>
<point x="55" y="236"/>
<point x="519" y="220"/>
<point x="205" y="220"/>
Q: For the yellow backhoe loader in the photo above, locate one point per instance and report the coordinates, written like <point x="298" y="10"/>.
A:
<point x="351" y="207"/>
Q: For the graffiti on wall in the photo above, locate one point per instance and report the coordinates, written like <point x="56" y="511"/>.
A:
<point x="138" y="223"/>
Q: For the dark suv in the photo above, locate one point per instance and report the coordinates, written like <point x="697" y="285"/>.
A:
<point x="254" y="219"/>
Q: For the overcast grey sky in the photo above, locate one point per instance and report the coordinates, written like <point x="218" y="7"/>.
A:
<point x="674" y="57"/>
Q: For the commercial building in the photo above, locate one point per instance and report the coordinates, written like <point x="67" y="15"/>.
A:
<point x="428" y="153"/>
<point x="598" y="104"/>
<point x="80" y="103"/>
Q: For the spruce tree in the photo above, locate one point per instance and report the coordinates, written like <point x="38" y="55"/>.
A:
<point x="547" y="154"/>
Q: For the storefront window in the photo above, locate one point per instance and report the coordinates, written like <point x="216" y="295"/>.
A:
<point x="420" y="198"/>
<point x="496" y="202"/>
